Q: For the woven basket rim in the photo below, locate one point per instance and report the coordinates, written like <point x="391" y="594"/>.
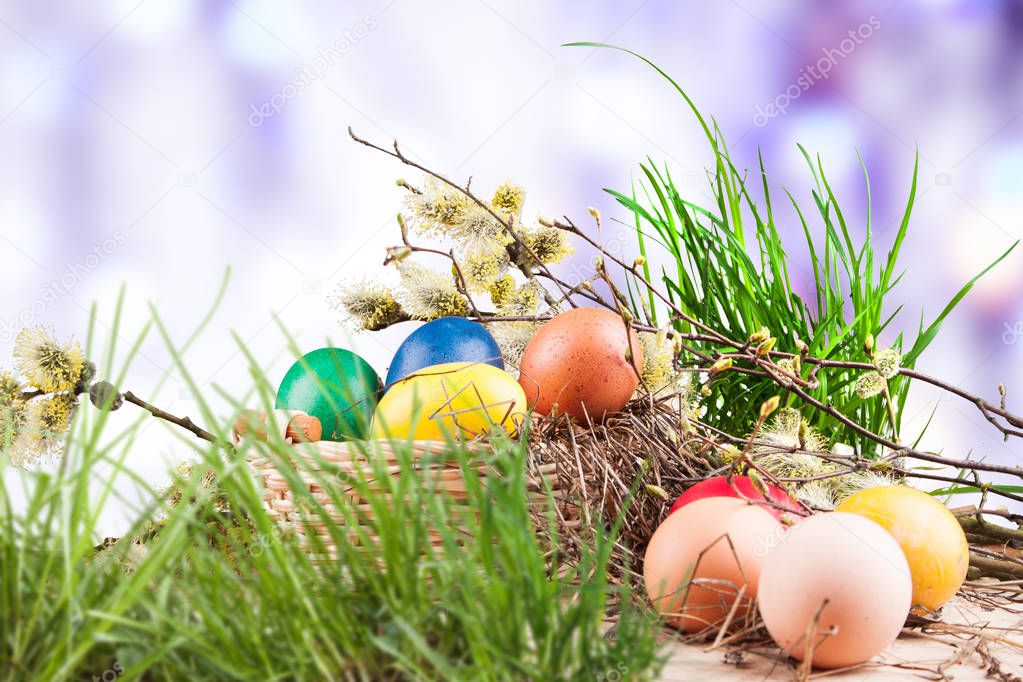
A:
<point x="377" y="457"/>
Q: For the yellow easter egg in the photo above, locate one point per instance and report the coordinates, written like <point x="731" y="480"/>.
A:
<point x="931" y="538"/>
<point x="453" y="400"/>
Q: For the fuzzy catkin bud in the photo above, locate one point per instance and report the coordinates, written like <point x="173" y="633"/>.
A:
<point x="788" y="519"/>
<point x="769" y="406"/>
<point x="86" y="377"/>
<point x="657" y="491"/>
<point x="758" y="481"/>
<point x="686" y="425"/>
<point x="396" y="254"/>
<point x="730" y="453"/>
<point x="869" y="384"/>
<point x="843" y="449"/>
<point x="868" y="344"/>
<point x="791" y="365"/>
<point x="766" y="346"/>
<point x="888" y="362"/>
<point x="104" y="396"/>
<point x="804" y="433"/>
<point x="722" y="365"/>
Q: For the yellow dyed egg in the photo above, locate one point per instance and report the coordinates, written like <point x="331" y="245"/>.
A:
<point x="929" y="535"/>
<point x="453" y="400"/>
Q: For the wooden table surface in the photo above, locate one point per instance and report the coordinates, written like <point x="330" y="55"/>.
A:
<point x="921" y="656"/>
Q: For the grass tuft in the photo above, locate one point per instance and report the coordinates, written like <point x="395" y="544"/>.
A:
<point x="218" y="592"/>
<point x="730" y="271"/>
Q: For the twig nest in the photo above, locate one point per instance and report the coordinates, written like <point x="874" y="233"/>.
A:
<point x="586" y="363"/>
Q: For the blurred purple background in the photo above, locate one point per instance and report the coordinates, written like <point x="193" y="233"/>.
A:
<point x="154" y="143"/>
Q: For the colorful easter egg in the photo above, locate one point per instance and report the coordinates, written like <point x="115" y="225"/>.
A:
<point x="448" y="339"/>
<point x="578" y="364"/>
<point x="454" y="400"/>
<point x="741" y="487"/>
<point x="932" y="539"/>
<point x="337" y="387"/>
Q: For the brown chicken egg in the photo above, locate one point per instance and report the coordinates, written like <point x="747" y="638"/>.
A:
<point x="703" y="562"/>
<point x="836" y="589"/>
<point x="577" y="364"/>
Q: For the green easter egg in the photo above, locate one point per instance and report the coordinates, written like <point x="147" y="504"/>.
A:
<point x="337" y="387"/>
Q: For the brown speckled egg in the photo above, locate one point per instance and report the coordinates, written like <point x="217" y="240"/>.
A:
<point x="577" y="363"/>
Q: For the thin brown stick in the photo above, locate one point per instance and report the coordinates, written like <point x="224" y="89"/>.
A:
<point x="184" y="422"/>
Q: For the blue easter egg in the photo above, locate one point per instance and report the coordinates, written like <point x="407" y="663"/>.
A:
<point x="448" y="339"/>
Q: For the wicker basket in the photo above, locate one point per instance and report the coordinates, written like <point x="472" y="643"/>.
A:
<point x="353" y="458"/>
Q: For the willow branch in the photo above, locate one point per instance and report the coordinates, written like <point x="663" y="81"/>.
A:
<point x="507" y="224"/>
<point x="851" y="464"/>
<point x="977" y="526"/>
<point x="460" y="282"/>
<point x="751" y="361"/>
<point x="184" y="422"/>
